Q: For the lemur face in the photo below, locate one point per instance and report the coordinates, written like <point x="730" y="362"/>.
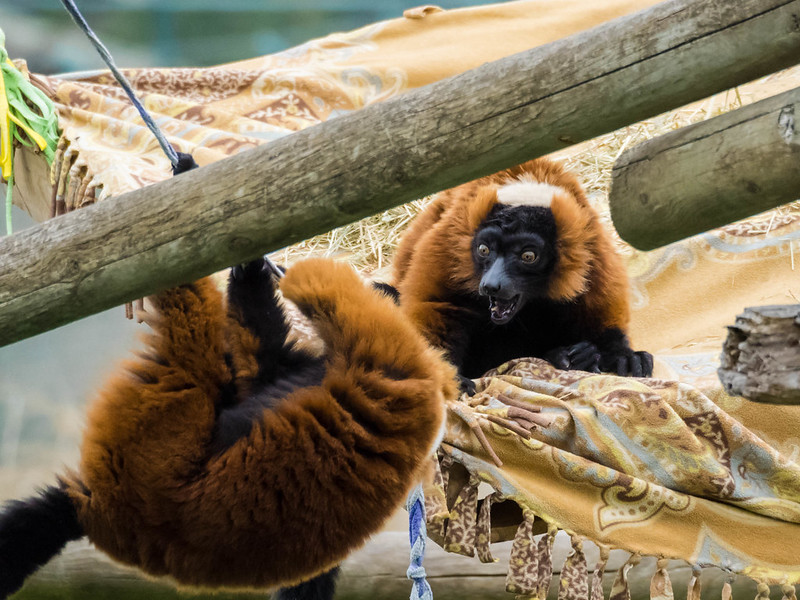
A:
<point x="514" y="252"/>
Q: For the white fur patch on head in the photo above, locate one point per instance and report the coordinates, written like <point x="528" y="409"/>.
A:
<point x="528" y="193"/>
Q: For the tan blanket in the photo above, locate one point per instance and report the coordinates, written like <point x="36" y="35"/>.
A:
<point x="651" y="466"/>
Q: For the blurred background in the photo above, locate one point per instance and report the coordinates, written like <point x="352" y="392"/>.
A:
<point x="46" y="381"/>
<point x="187" y="33"/>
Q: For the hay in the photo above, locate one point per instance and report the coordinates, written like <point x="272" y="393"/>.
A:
<point x="368" y="244"/>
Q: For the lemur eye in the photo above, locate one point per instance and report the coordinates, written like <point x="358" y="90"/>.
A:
<point x="483" y="250"/>
<point x="528" y="256"/>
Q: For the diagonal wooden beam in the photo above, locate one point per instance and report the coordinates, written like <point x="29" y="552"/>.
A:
<point x="492" y="117"/>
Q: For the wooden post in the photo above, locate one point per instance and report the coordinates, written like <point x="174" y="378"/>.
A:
<point x="492" y="117"/>
<point x="708" y="174"/>
<point x="376" y="571"/>
<point x="761" y="356"/>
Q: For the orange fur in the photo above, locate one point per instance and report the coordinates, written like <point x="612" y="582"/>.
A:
<point x="316" y="476"/>
<point x="435" y="255"/>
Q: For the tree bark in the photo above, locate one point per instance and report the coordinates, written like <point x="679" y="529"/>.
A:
<point x="761" y="356"/>
<point x="708" y="174"/>
<point x="481" y="121"/>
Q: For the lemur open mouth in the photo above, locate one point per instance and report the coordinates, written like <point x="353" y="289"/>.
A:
<point x="503" y="309"/>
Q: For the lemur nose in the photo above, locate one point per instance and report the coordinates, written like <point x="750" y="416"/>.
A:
<point x="489" y="289"/>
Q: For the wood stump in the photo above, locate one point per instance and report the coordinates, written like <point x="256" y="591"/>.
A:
<point x="761" y="356"/>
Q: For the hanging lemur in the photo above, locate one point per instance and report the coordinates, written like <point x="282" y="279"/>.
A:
<point x="225" y="455"/>
<point x="518" y="264"/>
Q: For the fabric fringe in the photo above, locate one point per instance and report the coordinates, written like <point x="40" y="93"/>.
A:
<point x="522" y="564"/>
<point x="694" y="587"/>
<point x="483" y="527"/>
<point x="59" y="171"/>
<point x="620" y="590"/>
<point x="727" y="591"/>
<point x="597" y="575"/>
<point x="544" y="557"/>
<point x="445" y="463"/>
<point x="762" y="592"/>
<point x="436" y="512"/>
<point x="73" y="186"/>
<point x="574" y="582"/>
<point x="460" y="535"/>
<point x="660" y="584"/>
<point x="468" y="531"/>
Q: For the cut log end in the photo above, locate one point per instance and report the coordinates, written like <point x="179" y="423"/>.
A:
<point x="761" y="356"/>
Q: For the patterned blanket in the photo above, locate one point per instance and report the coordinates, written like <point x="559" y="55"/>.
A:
<point x="649" y="465"/>
<point x="670" y="467"/>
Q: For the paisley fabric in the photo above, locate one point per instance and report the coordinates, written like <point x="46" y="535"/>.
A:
<point x="651" y="466"/>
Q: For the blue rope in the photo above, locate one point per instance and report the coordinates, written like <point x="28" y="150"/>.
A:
<point x="106" y="56"/>
<point x="417" y="533"/>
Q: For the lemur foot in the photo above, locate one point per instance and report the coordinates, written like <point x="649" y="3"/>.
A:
<point x="466" y="385"/>
<point x="583" y="356"/>
<point x="254" y="269"/>
<point x="252" y="299"/>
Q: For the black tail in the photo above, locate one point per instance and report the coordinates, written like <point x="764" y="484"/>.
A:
<point x="320" y="587"/>
<point x="33" y="531"/>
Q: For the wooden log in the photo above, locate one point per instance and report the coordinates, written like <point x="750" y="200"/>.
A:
<point x="492" y="117"/>
<point x="761" y="355"/>
<point x="376" y="571"/>
<point x="708" y="174"/>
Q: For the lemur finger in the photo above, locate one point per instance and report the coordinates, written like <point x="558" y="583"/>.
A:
<point x="586" y="359"/>
<point x="647" y="363"/>
<point x="559" y="358"/>
<point x="623" y="368"/>
<point x="244" y="270"/>
<point x="561" y="362"/>
<point x="636" y="368"/>
<point x="581" y="348"/>
<point x="277" y="270"/>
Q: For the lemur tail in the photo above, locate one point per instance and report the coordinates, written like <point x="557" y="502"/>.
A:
<point x="32" y="531"/>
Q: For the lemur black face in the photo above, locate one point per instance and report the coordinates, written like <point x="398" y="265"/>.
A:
<point x="514" y="251"/>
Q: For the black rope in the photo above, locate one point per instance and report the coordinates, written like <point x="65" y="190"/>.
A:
<point x="107" y="58"/>
<point x="181" y="161"/>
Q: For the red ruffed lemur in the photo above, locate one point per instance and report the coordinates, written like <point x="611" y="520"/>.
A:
<point x="227" y="456"/>
<point x="518" y="264"/>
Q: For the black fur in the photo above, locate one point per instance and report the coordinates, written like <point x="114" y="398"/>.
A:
<point x="387" y="289"/>
<point x="32" y="532"/>
<point x="185" y="163"/>
<point x="481" y="343"/>
<point x="509" y="232"/>
<point x="320" y="587"/>
<point x="619" y="358"/>
<point x="282" y="368"/>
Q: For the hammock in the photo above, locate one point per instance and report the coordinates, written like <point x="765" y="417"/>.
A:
<point x="668" y="467"/>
